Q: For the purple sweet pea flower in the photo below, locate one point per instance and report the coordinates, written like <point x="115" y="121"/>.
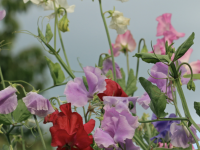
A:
<point x="115" y="127"/>
<point x="120" y="103"/>
<point x="8" y="100"/>
<point x="76" y="92"/>
<point x="107" y="65"/>
<point x="37" y="104"/>
<point x="2" y="14"/>
<point x="129" y="145"/>
<point x="180" y="136"/>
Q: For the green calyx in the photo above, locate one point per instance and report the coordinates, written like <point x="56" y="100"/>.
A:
<point x="63" y="24"/>
<point x="191" y="85"/>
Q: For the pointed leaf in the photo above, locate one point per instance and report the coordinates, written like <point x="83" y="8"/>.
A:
<point x="195" y="76"/>
<point x="49" y="34"/>
<point x="197" y="107"/>
<point x="144" y="49"/>
<point x="6" y="119"/>
<point x="122" y="81"/>
<point x="40" y="34"/>
<point x="131" y="84"/>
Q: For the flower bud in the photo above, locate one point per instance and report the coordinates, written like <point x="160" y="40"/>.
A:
<point x="191" y="85"/>
<point x="63" y="24"/>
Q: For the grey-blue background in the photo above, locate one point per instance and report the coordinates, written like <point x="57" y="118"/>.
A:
<point x="87" y="37"/>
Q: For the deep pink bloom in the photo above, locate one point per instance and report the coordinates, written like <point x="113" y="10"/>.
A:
<point x="2" y="14"/>
<point x="164" y="25"/>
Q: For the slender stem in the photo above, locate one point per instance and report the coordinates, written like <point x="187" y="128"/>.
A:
<point x="22" y="134"/>
<point x="21" y="82"/>
<point x="52" y="87"/>
<point x="55" y="23"/>
<point x="38" y="127"/>
<point x="7" y="134"/>
<point x="2" y="80"/>
<point x="90" y="114"/>
<point x="84" y="114"/>
<point x="10" y="130"/>
<point x="138" y="60"/>
<point x="164" y="119"/>
<point x="185" y="63"/>
<point x="109" y="41"/>
<point x="127" y="61"/>
<point x="175" y="100"/>
<point x="139" y="142"/>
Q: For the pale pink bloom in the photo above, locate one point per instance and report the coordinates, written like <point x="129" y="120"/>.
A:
<point x="161" y="145"/>
<point x="186" y="56"/>
<point x="164" y="24"/>
<point x="2" y="14"/>
<point x="195" y="67"/>
<point x="126" y="40"/>
<point x="116" y="50"/>
<point x="159" y="48"/>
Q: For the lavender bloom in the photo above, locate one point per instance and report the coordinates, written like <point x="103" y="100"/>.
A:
<point x="107" y="65"/>
<point x="37" y="104"/>
<point x="115" y="127"/>
<point x="2" y="14"/>
<point x="180" y="136"/>
<point x="76" y="92"/>
<point x="120" y="103"/>
<point x="129" y="145"/>
<point x="8" y="100"/>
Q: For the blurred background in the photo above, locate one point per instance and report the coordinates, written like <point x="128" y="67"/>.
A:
<point x="24" y="57"/>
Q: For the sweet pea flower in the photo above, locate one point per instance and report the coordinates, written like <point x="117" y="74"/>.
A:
<point x="116" y="127"/>
<point x="165" y="146"/>
<point x="37" y="104"/>
<point x="116" y="50"/>
<point x="180" y="136"/>
<point x="119" y="22"/>
<point x="159" y="48"/>
<point x="2" y="14"/>
<point x="107" y="65"/>
<point x="8" y="100"/>
<point x="76" y="92"/>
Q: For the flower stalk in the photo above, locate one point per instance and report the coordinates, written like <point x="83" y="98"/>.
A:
<point x="2" y="80"/>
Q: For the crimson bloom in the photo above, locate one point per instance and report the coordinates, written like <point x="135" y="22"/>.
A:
<point x="112" y="89"/>
<point x="68" y="130"/>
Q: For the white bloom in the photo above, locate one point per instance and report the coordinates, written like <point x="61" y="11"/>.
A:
<point x="123" y="0"/>
<point x="119" y="22"/>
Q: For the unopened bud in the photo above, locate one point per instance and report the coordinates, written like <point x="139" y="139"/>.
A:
<point x="191" y="85"/>
<point x="63" y="24"/>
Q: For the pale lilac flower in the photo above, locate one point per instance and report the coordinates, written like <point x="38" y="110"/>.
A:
<point x="37" y="104"/>
<point x="116" y="127"/>
<point x="116" y="50"/>
<point x="2" y="14"/>
<point x="164" y="24"/>
<point x="129" y="145"/>
<point x="120" y="103"/>
<point x="144" y="101"/>
<point x="8" y="100"/>
<point x="107" y="65"/>
<point x="76" y="92"/>
<point x="180" y="136"/>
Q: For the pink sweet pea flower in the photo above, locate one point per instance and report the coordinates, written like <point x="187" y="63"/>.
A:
<point x="166" y="146"/>
<point x="116" y="50"/>
<point x="2" y="14"/>
<point x="186" y="56"/>
<point x="164" y="24"/>
<point x="195" y="67"/>
<point x="159" y="48"/>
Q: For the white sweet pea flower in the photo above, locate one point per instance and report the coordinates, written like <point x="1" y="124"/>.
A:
<point x="119" y="22"/>
<point x="123" y="0"/>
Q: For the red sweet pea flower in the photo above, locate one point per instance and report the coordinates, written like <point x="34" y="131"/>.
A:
<point x="68" y="131"/>
<point x="112" y="89"/>
<point x="51" y="117"/>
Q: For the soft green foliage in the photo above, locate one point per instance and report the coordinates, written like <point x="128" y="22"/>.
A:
<point x="158" y="99"/>
<point x="144" y="49"/>
<point x="21" y="113"/>
<point x="56" y="72"/>
<point x="195" y="76"/>
<point x="6" y="147"/>
<point x="6" y="119"/>
<point x="197" y="107"/>
<point x="109" y="74"/>
<point x="122" y="81"/>
<point x="63" y="24"/>
<point x="101" y="59"/>
<point x="152" y="58"/>
<point x="40" y="34"/>
<point x="183" y="48"/>
<point x="48" y="34"/>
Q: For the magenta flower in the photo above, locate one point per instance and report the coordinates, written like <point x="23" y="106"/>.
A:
<point x="2" y="14"/>
<point x="116" y="127"/>
<point x="76" y="92"/>
<point x="164" y="25"/>
<point x="165" y="146"/>
<point x="180" y="136"/>
<point x="107" y="65"/>
<point x="37" y="104"/>
<point x="8" y="100"/>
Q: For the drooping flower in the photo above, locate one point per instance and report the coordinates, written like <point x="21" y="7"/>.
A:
<point x="8" y="100"/>
<point x="119" y="22"/>
<point x="107" y="65"/>
<point x="116" y="127"/>
<point x="68" y="130"/>
<point x="180" y="136"/>
<point x="76" y="92"/>
<point x="2" y="14"/>
<point x="112" y="89"/>
<point x="37" y="104"/>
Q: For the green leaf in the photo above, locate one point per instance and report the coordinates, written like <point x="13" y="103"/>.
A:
<point x="195" y="76"/>
<point x="109" y="74"/>
<point x="144" y="49"/>
<point x="21" y="113"/>
<point x="56" y="72"/>
<point x="40" y="34"/>
<point x="158" y="99"/>
<point x="49" y="34"/>
<point x="151" y="58"/>
<point x="100" y="64"/>
<point x="131" y="84"/>
<point x="183" y="48"/>
<point x="197" y="107"/>
<point x="6" y="119"/>
<point x="122" y="81"/>
<point x="5" y="147"/>
<point x="85" y="82"/>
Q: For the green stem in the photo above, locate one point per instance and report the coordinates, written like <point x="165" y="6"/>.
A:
<point x="138" y="60"/>
<point x="52" y="87"/>
<point x="84" y="114"/>
<point x="127" y="61"/>
<point x="55" y="23"/>
<point x="2" y="80"/>
<point x="22" y="134"/>
<point x="139" y="142"/>
<point x="109" y="41"/>
<point x="38" y="127"/>
<point x="164" y="119"/>
<point x="7" y="135"/>
<point x="21" y="82"/>
<point x="185" y="63"/>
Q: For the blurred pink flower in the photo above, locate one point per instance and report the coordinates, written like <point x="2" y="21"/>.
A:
<point x="159" y="48"/>
<point x="164" y="25"/>
<point x="2" y="14"/>
<point x="186" y="57"/>
<point x="161" y="145"/>
<point x="116" y="50"/>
